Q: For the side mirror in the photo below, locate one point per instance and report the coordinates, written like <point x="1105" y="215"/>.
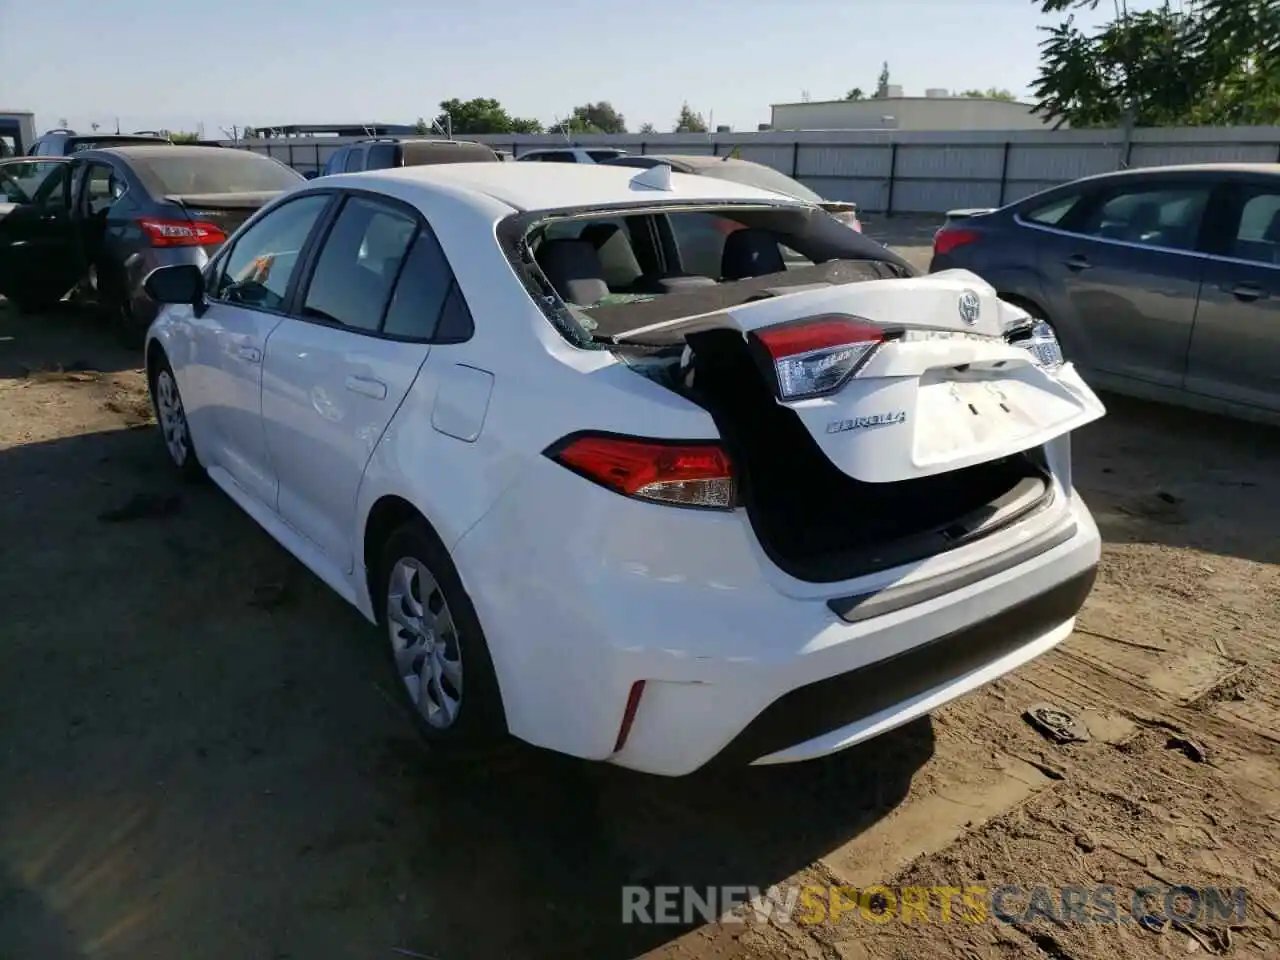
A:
<point x="182" y="283"/>
<point x="311" y="174"/>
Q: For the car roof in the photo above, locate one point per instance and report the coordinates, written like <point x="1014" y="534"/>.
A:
<point x="528" y="186"/>
<point x="143" y="151"/>
<point x="1270" y="169"/>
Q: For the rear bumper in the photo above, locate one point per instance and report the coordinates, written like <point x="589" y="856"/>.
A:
<point x="590" y="593"/>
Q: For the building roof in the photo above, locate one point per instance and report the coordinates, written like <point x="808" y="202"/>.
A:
<point x="534" y="186"/>
<point x="864" y="100"/>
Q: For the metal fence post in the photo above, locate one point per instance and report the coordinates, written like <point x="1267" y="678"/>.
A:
<point x="795" y="159"/>
<point x="893" y="173"/>
<point x="1004" y="173"/>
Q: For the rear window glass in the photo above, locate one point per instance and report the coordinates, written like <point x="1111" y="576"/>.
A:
<point x="766" y="178"/>
<point x="218" y="171"/>
<point x="651" y="265"/>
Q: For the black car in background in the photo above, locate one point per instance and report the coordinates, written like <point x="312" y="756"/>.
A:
<point x="63" y="143"/>
<point x="103" y="219"/>
<point x="382" y="153"/>
<point x="1162" y="282"/>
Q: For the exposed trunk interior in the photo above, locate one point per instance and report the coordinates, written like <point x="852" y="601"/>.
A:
<point x="817" y="523"/>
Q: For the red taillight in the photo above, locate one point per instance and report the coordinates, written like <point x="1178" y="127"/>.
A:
<point x="946" y="240"/>
<point x="181" y="233"/>
<point x="688" y="474"/>
<point x="816" y="355"/>
<point x="629" y="715"/>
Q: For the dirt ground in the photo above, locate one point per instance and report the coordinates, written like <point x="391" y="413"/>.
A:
<point x="199" y="757"/>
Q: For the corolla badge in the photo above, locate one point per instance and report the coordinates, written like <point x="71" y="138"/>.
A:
<point x="970" y="307"/>
<point x="861" y="423"/>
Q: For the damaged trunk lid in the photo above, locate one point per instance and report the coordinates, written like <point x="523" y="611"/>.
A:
<point x="908" y="378"/>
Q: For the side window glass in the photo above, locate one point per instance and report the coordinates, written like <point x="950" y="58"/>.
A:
<point x="1168" y="217"/>
<point x="1258" y="234"/>
<point x="355" y="161"/>
<point x="424" y="285"/>
<point x="357" y="268"/>
<point x="334" y="163"/>
<point x="102" y="188"/>
<point x="1051" y="214"/>
<point x="54" y="193"/>
<point x="258" y="269"/>
<point x="22" y="182"/>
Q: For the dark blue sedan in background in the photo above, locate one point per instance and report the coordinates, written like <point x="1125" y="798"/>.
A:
<point x="1162" y="283"/>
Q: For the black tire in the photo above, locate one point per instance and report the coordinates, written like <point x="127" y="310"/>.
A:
<point x="188" y="464"/>
<point x="479" y="728"/>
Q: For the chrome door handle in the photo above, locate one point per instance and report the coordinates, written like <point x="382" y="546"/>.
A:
<point x="368" y="387"/>
<point x="252" y="354"/>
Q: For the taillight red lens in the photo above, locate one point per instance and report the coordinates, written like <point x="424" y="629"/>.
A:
<point x="816" y="355"/>
<point x="181" y="233"/>
<point x="689" y="474"/>
<point x="945" y="240"/>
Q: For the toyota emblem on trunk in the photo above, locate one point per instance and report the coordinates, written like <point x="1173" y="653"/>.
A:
<point x="970" y="307"/>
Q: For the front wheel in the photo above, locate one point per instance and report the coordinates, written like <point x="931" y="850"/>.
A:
<point x="171" y="417"/>
<point x="435" y="641"/>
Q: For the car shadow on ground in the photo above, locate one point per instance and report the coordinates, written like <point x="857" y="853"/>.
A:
<point x="201" y="758"/>
<point x="70" y="336"/>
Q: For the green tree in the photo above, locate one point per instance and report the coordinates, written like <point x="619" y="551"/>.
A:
<point x="597" y="118"/>
<point x="184" y="136"/>
<point x="855" y="94"/>
<point x="648" y="128"/>
<point x="882" y="82"/>
<point x="1210" y="62"/>
<point x="689" y="121"/>
<point x="481" y="115"/>
<point x="421" y="127"/>
<point x="991" y="93"/>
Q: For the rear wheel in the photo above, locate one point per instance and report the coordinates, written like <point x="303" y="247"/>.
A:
<point x="444" y="676"/>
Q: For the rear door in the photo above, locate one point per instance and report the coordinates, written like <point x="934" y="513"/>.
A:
<point x="336" y="372"/>
<point x="40" y="256"/>
<point x="1235" y="348"/>
<point x="1125" y="273"/>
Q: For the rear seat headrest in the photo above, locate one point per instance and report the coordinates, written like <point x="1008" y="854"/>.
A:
<point x="750" y="253"/>
<point x="573" y="267"/>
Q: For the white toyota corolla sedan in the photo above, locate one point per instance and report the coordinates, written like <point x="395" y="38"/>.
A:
<point x="641" y="467"/>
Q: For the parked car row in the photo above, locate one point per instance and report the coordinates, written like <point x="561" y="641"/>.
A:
<point x="645" y="467"/>
<point x="1162" y="283"/>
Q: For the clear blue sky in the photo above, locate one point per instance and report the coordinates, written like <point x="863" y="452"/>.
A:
<point x="175" y="63"/>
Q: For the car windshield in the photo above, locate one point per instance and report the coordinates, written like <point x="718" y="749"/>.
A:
<point x="218" y="171"/>
<point x="597" y="274"/>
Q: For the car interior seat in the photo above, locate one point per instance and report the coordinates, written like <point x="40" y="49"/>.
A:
<point x="621" y="269"/>
<point x="751" y="253"/>
<point x="574" y="269"/>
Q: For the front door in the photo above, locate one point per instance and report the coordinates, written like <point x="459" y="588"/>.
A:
<point x="40" y="256"/>
<point x="247" y="299"/>
<point x="1130" y="277"/>
<point x="335" y="375"/>
<point x="1235" y="350"/>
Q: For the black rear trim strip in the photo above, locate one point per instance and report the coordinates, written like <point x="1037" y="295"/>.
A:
<point x="864" y="606"/>
<point x="820" y="708"/>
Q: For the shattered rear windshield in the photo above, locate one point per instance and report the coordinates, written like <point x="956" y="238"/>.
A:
<point x="599" y="273"/>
